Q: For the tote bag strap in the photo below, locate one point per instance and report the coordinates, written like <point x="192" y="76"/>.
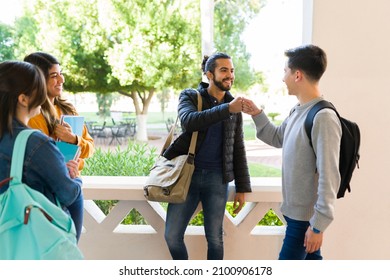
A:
<point x="191" y="150"/>
<point x="18" y="155"/>
<point x="168" y="141"/>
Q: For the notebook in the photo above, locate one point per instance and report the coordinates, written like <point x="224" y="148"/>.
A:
<point x="70" y="151"/>
<point x="76" y="122"/>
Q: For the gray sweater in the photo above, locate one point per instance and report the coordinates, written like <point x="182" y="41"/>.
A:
<point x="309" y="182"/>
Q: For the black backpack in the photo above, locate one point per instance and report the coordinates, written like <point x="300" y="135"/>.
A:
<point x="349" y="146"/>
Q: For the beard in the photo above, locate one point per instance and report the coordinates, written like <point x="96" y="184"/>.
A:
<point x="219" y="84"/>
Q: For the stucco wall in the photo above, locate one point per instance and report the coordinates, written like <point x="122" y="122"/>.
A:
<point x="356" y="37"/>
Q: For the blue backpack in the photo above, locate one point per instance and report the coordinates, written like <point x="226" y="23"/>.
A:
<point x="31" y="226"/>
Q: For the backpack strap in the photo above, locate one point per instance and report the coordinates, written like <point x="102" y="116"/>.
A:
<point x="18" y="155"/>
<point x="312" y="113"/>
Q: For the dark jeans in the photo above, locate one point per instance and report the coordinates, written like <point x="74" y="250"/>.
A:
<point x="208" y="188"/>
<point x="76" y="211"/>
<point x="293" y="248"/>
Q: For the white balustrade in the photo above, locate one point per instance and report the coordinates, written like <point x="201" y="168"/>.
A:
<point x="104" y="237"/>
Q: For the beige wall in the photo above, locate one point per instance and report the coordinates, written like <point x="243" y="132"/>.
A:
<point x="356" y="37"/>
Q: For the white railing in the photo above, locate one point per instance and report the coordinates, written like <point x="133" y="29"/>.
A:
<point x="104" y="237"/>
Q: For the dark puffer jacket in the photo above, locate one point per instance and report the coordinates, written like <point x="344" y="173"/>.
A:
<point x="235" y="165"/>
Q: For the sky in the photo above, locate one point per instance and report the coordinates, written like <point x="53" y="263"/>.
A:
<point x="9" y="10"/>
<point x="277" y="27"/>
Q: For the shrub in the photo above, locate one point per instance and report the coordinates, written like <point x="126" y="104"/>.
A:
<point x="135" y="160"/>
<point x="273" y="115"/>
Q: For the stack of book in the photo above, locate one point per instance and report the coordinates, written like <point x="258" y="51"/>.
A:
<point x="71" y="151"/>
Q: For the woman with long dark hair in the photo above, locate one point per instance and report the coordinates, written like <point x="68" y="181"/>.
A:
<point x="48" y="121"/>
<point x="22" y="92"/>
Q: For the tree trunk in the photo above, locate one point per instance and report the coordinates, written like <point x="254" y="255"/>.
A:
<point x="141" y="101"/>
<point x="141" y="134"/>
<point x="207" y="26"/>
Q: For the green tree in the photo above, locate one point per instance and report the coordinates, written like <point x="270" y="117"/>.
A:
<point x="136" y="48"/>
<point x="156" y="47"/>
<point x="104" y="101"/>
<point x="231" y="18"/>
<point x="164" y="97"/>
<point x="25" y="35"/>
<point x="6" y="42"/>
<point x="71" y="31"/>
<point x="105" y="48"/>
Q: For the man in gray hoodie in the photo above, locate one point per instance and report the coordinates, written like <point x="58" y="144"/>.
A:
<point x="310" y="175"/>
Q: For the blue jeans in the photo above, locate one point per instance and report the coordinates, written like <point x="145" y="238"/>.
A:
<point x="76" y="211"/>
<point x="208" y="188"/>
<point x="293" y="248"/>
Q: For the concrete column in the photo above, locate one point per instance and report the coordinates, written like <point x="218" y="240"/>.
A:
<point x="207" y="26"/>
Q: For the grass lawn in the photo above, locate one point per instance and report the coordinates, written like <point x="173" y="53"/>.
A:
<point x="261" y="170"/>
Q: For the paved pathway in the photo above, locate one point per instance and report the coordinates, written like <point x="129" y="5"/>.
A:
<point x="258" y="151"/>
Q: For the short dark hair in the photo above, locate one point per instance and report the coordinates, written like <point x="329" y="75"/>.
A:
<point x="210" y="62"/>
<point x="17" y="77"/>
<point x="308" y="58"/>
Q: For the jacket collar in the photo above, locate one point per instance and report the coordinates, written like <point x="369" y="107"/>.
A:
<point x="203" y="91"/>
